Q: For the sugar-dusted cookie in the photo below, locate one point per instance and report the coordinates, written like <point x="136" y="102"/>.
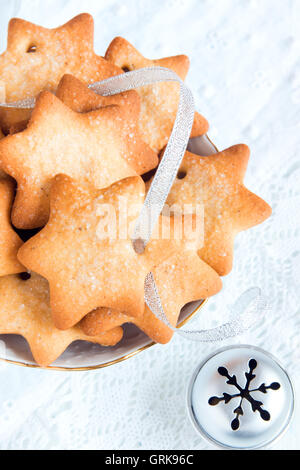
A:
<point x="159" y="101"/>
<point x="86" y="253"/>
<point x="36" y="58"/>
<point x="25" y="310"/>
<point x="9" y="240"/>
<point x="77" y="96"/>
<point x="181" y="279"/>
<point x="216" y="182"/>
<point x="90" y="147"/>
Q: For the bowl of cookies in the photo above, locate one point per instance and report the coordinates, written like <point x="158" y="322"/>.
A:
<point x="76" y="165"/>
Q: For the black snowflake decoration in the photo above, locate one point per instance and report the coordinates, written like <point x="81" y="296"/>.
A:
<point x="244" y="394"/>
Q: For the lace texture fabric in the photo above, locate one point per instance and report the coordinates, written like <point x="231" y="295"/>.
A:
<point x="245" y="79"/>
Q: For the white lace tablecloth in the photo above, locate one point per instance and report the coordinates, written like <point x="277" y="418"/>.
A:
<point x="245" y="74"/>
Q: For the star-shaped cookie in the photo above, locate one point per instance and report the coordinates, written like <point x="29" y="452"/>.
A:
<point x="216" y="183"/>
<point x="181" y="279"/>
<point x="77" y="96"/>
<point x="159" y="101"/>
<point x="9" y="240"/>
<point x="86" y="252"/>
<point x="90" y="147"/>
<point x="36" y="58"/>
<point x="25" y="310"/>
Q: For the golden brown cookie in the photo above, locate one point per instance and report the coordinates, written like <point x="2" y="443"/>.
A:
<point x="216" y="182"/>
<point x="159" y="101"/>
<point x="181" y="279"/>
<point x="87" y="264"/>
<point x="77" y="96"/>
<point x="90" y="147"/>
<point x="9" y="240"/>
<point x="25" y="310"/>
<point x="36" y="58"/>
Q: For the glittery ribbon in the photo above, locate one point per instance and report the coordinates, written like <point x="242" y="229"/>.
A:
<point x="250" y="304"/>
<point x="247" y="309"/>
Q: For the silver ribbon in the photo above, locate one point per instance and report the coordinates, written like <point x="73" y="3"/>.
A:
<point x="246" y="309"/>
<point x="251" y="301"/>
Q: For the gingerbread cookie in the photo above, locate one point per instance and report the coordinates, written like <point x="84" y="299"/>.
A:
<point x="77" y="96"/>
<point x="90" y="147"/>
<point x="25" y="310"/>
<point x="181" y="279"/>
<point x="159" y="101"/>
<point x="36" y="58"/>
<point x="216" y="182"/>
<point x="9" y="240"/>
<point x="86" y="252"/>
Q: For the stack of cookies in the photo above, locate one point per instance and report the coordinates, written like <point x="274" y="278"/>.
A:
<point x="76" y="153"/>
